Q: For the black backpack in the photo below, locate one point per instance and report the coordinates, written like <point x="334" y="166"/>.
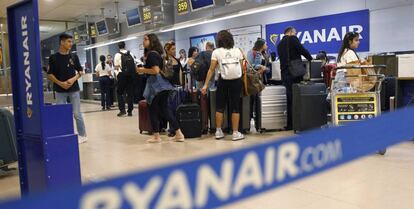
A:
<point x="201" y="66"/>
<point x="128" y="63"/>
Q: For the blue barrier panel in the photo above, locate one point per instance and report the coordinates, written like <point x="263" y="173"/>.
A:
<point x="47" y="146"/>
<point x="228" y="177"/>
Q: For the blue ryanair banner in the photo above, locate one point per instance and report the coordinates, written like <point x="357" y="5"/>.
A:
<point x="224" y="178"/>
<point x="323" y="33"/>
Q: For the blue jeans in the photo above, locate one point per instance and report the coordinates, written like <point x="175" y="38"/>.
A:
<point x="74" y="97"/>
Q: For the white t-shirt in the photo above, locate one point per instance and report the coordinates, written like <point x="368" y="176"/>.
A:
<point x="347" y="57"/>
<point x="104" y="72"/>
<point x="228" y="62"/>
<point x="118" y="58"/>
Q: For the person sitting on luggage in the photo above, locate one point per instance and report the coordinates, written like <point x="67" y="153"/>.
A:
<point x="104" y="72"/>
<point x="288" y="49"/>
<point x="229" y="60"/>
<point x="203" y="60"/>
<point x="157" y="90"/>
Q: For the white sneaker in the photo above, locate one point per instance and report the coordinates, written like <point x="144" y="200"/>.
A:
<point x="237" y="136"/>
<point x="219" y="133"/>
<point x="82" y="139"/>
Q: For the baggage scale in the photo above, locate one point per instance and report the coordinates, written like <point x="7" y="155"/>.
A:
<point x="351" y="105"/>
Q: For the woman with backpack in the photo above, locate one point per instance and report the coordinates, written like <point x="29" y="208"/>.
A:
<point x="104" y="72"/>
<point x="157" y="90"/>
<point x="229" y="61"/>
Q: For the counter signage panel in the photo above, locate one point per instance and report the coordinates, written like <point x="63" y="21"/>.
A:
<point x="355" y="107"/>
<point x="323" y="33"/>
<point x="183" y="7"/>
<point x="147" y="14"/>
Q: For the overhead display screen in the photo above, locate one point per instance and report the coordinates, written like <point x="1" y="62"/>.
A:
<point x="201" y="4"/>
<point x="101" y="27"/>
<point x="133" y="17"/>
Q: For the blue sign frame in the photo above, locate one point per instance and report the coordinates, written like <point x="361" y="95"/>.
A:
<point x="47" y="146"/>
<point x="325" y="32"/>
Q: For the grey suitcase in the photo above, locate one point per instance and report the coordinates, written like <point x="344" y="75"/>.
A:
<point x="8" y="148"/>
<point x="271" y="109"/>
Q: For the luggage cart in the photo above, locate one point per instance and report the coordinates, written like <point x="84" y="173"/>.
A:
<point x="351" y="105"/>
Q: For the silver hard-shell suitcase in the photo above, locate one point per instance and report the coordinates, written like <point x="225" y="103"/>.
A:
<point x="271" y="110"/>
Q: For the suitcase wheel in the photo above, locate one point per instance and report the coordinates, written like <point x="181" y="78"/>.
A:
<point x="204" y="132"/>
<point x="262" y="131"/>
<point x="382" y="152"/>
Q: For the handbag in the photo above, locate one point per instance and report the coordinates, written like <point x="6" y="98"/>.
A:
<point x="167" y="70"/>
<point x="295" y="67"/>
<point x="252" y="80"/>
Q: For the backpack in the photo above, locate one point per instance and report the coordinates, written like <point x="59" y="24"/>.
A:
<point x="201" y="66"/>
<point x="167" y="71"/>
<point x="128" y="63"/>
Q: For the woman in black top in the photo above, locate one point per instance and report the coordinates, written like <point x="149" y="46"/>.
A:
<point x="170" y="50"/>
<point x="157" y="90"/>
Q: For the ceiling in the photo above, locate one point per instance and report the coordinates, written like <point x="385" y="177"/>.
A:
<point x="55" y="14"/>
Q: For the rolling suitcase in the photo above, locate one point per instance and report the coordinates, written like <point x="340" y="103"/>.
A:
<point x="189" y="119"/>
<point x="271" y="109"/>
<point x="8" y="148"/>
<point x="309" y="106"/>
<point x="198" y="98"/>
<point x="387" y="91"/>
<point x="144" y="119"/>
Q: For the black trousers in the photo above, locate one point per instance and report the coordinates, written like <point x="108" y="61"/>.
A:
<point x="160" y="111"/>
<point x="104" y="84"/>
<point x="112" y="91"/>
<point x="288" y="82"/>
<point x="228" y="91"/>
<point x="125" y="86"/>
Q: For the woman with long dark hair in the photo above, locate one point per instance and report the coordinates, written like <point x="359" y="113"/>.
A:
<point x="347" y="53"/>
<point x="104" y="72"/>
<point x="229" y="60"/>
<point x="157" y="90"/>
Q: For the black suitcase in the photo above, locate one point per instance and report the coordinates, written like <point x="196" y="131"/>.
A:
<point x="309" y="106"/>
<point x="189" y="119"/>
<point x="387" y="90"/>
<point x="8" y="148"/>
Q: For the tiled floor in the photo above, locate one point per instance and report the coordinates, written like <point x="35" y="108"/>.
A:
<point x="115" y="147"/>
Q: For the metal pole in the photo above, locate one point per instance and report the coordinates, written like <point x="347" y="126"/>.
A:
<point x="117" y="16"/>
<point x="4" y="64"/>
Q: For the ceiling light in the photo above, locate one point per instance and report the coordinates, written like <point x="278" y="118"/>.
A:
<point x="239" y="14"/>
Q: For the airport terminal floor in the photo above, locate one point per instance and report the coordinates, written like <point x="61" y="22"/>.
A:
<point x="115" y="147"/>
<point x="318" y="96"/>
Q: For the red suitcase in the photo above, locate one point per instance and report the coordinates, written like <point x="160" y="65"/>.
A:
<point x="144" y="120"/>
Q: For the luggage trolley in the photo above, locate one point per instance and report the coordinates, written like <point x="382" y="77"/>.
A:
<point x="350" y="104"/>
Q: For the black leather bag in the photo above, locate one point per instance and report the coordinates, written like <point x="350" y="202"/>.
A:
<point x="295" y="67"/>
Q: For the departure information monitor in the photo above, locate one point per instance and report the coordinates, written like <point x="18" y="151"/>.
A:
<point x="201" y="4"/>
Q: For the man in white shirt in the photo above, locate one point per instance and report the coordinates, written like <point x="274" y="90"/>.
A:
<point x="125" y="65"/>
